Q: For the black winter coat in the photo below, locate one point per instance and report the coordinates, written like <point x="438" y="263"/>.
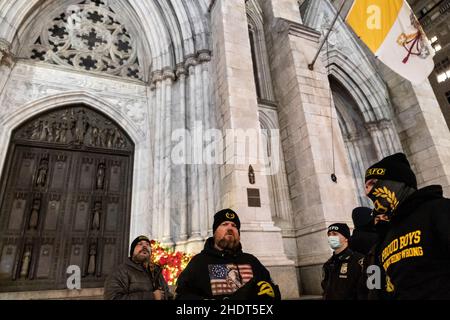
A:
<point x="214" y="274"/>
<point x="131" y="281"/>
<point x="415" y="252"/>
<point x="342" y="277"/>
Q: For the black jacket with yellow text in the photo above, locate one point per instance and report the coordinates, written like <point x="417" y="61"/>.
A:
<point x="415" y="252"/>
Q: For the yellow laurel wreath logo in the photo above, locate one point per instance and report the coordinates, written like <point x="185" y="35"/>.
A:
<point x="265" y="288"/>
<point x="389" y="285"/>
<point x="388" y="195"/>
<point x="229" y="215"/>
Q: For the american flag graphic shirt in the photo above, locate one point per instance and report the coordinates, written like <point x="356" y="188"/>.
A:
<point x="227" y="278"/>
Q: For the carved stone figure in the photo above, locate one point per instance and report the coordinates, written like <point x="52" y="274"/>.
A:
<point x="92" y="256"/>
<point x="46" y="132"/>
<point x="96" y="216"/>
<point x="80" y="126"/>
<point x="63" y="136"/>
<point x="100" y="175"/>
<point x="95" y="136"/>
<point x="251" y="175"/>
<point x="36" y="130"/>
<point x="34" y="217"/>
<point x="119" y="141"/>
<point x="26" y="260"/>
<point x="42" y="173"/>
<point x="57" y="131"/>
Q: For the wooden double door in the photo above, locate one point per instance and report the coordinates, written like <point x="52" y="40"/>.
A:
<point x="65" y="200"/>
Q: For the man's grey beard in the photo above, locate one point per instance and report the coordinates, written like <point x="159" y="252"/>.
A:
<point x="225" y="244"/>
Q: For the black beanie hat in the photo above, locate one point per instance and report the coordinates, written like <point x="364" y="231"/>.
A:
<point x="394" y="167"/>
<point x="342" y="228"/>
<point x="362" y="216"/>
<point x="136" y="241"/>
<point x="226" y="215"/>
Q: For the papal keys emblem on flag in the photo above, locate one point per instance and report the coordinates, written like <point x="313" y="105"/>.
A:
<point x="414" y="43"/>
<point x="392" y="32"/>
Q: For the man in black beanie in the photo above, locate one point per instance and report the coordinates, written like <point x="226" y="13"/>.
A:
<point x="342" y="274"/>
<point x="364" y="236"/>
<point x="414" y="250"/>
<point x="222" y="270"/>
<point x="137" y="278"/>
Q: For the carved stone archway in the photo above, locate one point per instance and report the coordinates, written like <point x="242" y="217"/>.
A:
<point x="66" y="198"/>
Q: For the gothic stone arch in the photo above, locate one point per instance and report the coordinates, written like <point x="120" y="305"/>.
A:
<point x="66" y="198"/>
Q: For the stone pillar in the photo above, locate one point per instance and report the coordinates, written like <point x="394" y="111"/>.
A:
<point x="236" y="101"/>
<point x="307" y="119"/>
<point x="181" y="182"/>
<point x="422" y="129"/>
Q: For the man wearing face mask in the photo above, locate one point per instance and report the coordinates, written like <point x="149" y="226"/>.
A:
<point x="342" y="273"/>
<point x="415" y="228"/>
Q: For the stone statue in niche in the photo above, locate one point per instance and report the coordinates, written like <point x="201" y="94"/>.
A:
<point x="92" y="257"/>
<point x="34" y="216"/>
<point x="41" y="178"/>
<point x="96" y="216"/>
<point x="26" y="261"/>
<point x="251" y="175"/>
<point x="100" y="175"/>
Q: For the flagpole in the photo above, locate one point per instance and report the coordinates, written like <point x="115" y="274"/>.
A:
<point x="311" y="65"/>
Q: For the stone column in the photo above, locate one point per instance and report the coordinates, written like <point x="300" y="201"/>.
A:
<point x="236" y="101"/>
<point x="182" y="197"/>
<point x="168" y="78"/>
<point x="307" y="119"/>
<point x="422" y="129"/>
<point x="195" y="240"/>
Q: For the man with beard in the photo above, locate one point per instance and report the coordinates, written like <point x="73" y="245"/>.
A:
<point x="137" y="278"/>
<point x="414" y="250"/>
<point x="222" y="270"/>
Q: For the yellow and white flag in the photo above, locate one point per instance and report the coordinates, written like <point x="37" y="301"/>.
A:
<point x="393" y="33"/>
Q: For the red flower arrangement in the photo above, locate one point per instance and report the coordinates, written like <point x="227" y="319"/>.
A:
<point x="171" y="262"/>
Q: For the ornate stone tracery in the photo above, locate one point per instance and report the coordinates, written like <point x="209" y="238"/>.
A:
<point x="88" y="37"/>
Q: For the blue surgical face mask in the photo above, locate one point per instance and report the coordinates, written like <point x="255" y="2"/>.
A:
<point x="334" y="242"/>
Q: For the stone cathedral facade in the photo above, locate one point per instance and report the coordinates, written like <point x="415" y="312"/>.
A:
<point x="92" y="91"/>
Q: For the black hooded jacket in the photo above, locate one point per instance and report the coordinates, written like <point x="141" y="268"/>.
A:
<point x="213" y="274"/>
<point x="415" y="252"/>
